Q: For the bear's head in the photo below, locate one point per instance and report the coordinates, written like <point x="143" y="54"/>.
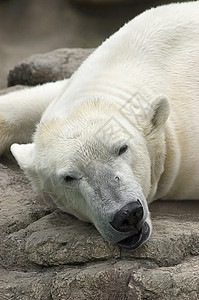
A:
<point x="101" y="164"/>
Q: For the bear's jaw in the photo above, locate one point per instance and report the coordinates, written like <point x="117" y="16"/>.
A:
<point x="136" y="240"/>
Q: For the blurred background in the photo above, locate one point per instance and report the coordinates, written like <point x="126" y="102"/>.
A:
<point x="36" y="26"/>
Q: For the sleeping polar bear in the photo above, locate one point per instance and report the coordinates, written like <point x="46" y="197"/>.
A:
<point x="122" y="132"/>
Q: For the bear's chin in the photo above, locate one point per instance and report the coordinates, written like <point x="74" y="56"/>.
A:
<point x="136" y="240"/>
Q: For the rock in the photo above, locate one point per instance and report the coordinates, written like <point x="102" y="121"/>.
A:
<point x="19" y="207"/>
<point x="170" y="243"/>
<point x="51" y="66"/>
<point x="75" y="243"/>
<point x="70" y="241"/>
<point x="66" y="246"/>
<point x="128" y="280"/>
<point x="19" y="204"/>
<point x="24" y="286"/>
<point x="102" y="281"/>
<point x="179" y="282"/>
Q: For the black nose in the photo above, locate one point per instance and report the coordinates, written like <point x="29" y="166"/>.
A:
<point x="128" y="217"/>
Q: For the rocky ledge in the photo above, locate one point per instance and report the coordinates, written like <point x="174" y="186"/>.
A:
<point x="47" y="254"/>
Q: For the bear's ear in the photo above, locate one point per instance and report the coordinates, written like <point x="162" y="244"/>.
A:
<point x="24" y="155"/>
<point x="158" y="114"/>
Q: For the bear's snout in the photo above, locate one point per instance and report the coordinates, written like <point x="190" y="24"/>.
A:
<point x="131" y="219"/>
<point x="128" y="217"/>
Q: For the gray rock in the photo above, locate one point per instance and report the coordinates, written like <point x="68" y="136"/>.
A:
<point x="51" y="66"/>
<point x="25" y="286"/>
<point x="170" y="243"/>
<point x="102" y="281"/>
<point x="128" y="280"/>
<point x="19" y="207"/>
<point x="179" y="282"/>
<point x="75" y="243"/>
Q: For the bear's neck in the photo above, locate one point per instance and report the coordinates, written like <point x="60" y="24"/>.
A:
<point x="171" y="164"/>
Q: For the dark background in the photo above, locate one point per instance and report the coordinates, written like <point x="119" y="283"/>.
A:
<point x="36" y="26"/>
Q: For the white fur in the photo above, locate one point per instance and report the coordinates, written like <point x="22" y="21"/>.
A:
<point x="21" y="110"/>
<point x="121" y="82"/>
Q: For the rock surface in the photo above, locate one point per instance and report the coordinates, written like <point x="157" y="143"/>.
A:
<point x="47" y="254"/>
<point x="51" y="66"/>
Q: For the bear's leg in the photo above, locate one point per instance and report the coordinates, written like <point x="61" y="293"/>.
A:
<point x="21" y="111"/>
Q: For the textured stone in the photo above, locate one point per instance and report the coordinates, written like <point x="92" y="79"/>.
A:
<point x="25" y="286"/>
<point x="179" y="282"/>
<point x="76" y="243"/>
<point x="79" y="242"/>
<point x="170" y="243"/>
<point x="100" y="281"/>
<point x="128" y="280"/>
<point x="51" y="66"/>
<point x="19" y="207"/>
<point x="58" y="239"/>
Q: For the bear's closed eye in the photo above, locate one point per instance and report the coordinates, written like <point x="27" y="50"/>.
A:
<point x="123" y="149"/>
<point x="69" y="178"/>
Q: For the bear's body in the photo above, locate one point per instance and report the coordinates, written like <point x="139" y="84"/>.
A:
<point x="143" y="85"/>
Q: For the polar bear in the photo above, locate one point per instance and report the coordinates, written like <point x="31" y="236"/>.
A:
<point x="122" y="132"/>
